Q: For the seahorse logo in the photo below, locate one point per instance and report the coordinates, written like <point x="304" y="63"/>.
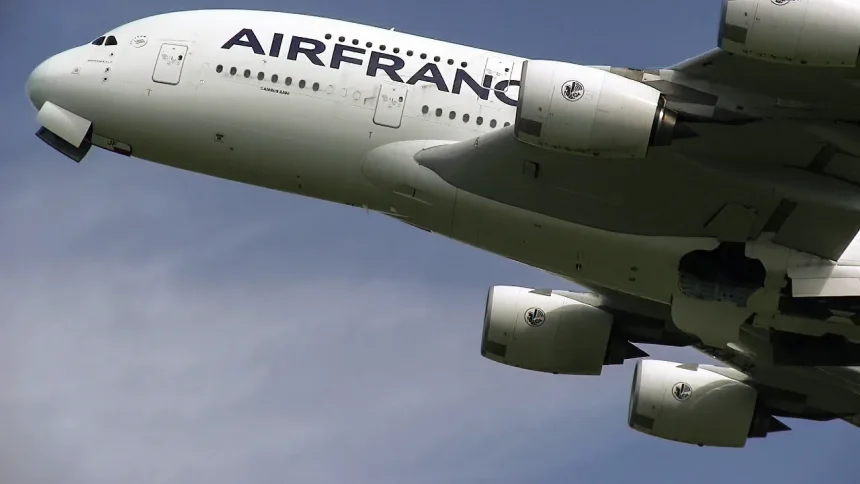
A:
<point x="572" y="90"/>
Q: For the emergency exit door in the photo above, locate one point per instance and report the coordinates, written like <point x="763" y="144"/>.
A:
<point x="500" y="70"/>
<point x="168" y="66"/>
<point x="389" y="105"/>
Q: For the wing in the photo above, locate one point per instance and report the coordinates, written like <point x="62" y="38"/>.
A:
<point x="732" y="182"/>
<point x="807" y="108"/>
<point x="766" y="144"/>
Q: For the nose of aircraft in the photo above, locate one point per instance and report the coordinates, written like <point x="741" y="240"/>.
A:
<point x="40" y="80"/>
<point x="36" y="84"/>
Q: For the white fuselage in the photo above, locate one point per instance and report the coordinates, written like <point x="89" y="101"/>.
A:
<point x="298" y="104"/>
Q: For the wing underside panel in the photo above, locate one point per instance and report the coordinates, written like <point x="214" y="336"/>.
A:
<point x="733" y="183"/>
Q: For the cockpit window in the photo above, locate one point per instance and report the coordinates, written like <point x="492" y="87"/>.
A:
<point x="111" y="40"/>
<point x="99" y="41"/>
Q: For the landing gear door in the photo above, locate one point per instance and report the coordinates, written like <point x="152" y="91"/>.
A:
<point x="168" y="66"/>
<point x="389" y="105"/>
<point x="501" y="70"/>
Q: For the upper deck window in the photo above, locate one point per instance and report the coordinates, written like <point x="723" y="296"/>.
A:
<point x="99" y="41"/>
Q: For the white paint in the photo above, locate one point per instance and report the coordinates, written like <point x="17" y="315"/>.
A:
<point x="316" y="143"/>
<point x="804" y="32"/>
<point x="691" y="404"/>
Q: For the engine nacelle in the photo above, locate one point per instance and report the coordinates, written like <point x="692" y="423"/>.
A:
<point x="806" y="32"/>
<point x="584" y="110"/>
<point x="544" y="332"/>
<point x="689" y="404"/>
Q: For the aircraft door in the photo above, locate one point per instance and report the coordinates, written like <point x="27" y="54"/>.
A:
<point x="499" y="69"/>
<point x="389" y="105"/>
<point x="168" y="66"/>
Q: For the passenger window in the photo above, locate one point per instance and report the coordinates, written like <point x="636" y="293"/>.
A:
<point x="99" y="41"/>
<point x="111" y="40"/>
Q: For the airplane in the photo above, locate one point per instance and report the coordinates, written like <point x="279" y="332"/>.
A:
<point x="712" y="204"/>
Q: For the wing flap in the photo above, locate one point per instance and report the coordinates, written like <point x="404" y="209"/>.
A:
<point x="824" y="231"/>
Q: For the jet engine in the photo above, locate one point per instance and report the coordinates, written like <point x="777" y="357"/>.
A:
<point x="814" y="33"/>
<point x="694" y="405"/>
<point x="546" y="332"/>
<point x="585" y="110"/>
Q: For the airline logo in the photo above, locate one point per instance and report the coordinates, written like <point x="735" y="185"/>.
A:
<point x="535" y="317"/>
<point x="392" y="65"/>
<point x="572" y="90"/>
<point x="682" y="391"/>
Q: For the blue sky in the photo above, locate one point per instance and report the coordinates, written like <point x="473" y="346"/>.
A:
<point x="160" y="326"/>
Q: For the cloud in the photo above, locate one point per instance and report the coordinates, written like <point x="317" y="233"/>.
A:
<point x="128" y="370"/>
<point x="120" y="366"/>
